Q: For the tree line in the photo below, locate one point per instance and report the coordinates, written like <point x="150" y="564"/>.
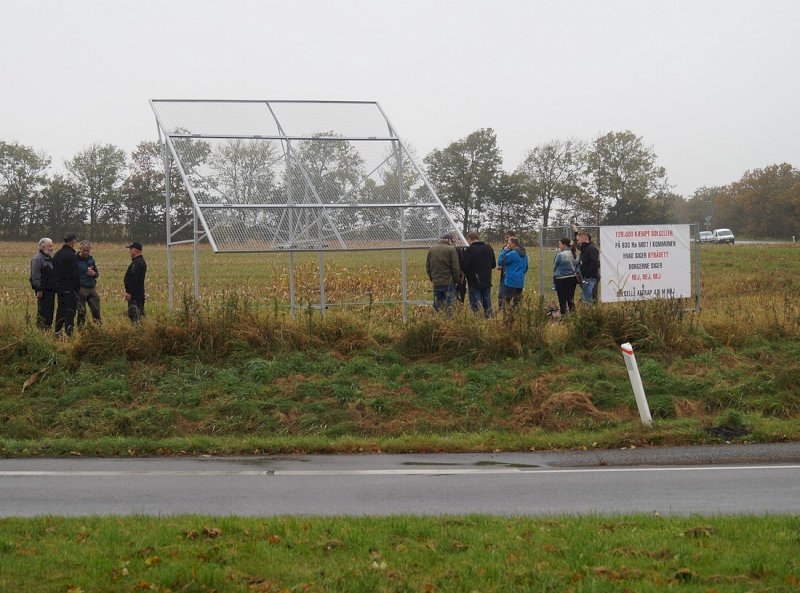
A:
<point x="106" y="194"/>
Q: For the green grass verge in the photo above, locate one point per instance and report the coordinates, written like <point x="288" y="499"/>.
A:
<point x="399" y="554"/>
<point x="230" y="375"/>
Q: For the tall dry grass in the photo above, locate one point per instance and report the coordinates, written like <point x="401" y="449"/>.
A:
<point x="749" y="292"/>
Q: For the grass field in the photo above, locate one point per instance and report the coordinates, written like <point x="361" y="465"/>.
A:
<point x="399" y="554"/>
<point x="233" y="373"/>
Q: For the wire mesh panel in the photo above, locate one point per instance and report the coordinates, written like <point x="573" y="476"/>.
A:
<point x="300" y="176"/>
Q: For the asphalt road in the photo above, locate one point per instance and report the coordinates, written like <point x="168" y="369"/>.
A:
<point x="731" y="479"/>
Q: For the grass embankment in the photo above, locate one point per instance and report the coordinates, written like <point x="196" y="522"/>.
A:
<point x="237" y="375"/>
<point x="370" y="555"/>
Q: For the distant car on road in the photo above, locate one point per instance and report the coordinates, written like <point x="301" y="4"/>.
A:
<point x="723" y="236"/>
<point x="705" y="236"/>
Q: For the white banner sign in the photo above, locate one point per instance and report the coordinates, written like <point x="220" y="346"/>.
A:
<point x="645" y="262"/>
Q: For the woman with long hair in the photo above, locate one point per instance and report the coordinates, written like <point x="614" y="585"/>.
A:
<point x="564" y="270"/>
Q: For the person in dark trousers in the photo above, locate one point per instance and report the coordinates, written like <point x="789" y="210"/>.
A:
<point x="43" y="283"/>
<point x="565" y="268"/>
<point x="589" y="263"/>
<point x="444" y="273"/>
<point x="501" y="287"/>
<point x="134" y="282"/>
<point x="479" y="262"/>
<point x="68" y="283"/>
<point x="514" y="260"/>
<point x="87" y="295"/>
<point x="461" y="287"/>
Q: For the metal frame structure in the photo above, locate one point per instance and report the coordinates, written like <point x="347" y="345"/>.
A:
<point x="295" y="176"/>
<point x="550" y="236"/>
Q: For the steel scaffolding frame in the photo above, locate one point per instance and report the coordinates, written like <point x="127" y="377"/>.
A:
<point x="295" y="176"/>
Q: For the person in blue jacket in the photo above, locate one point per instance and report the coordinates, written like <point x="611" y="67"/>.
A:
<point x="514" y="261"/>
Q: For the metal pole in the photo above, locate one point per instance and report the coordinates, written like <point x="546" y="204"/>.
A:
<point x="405" y="285"/>
<point x="168" y="217"/>
<point x="322" y="302"/>
<point x="696" y="269"/>
<point x="196" y="261"/>
<point x="541" y="260"/>
<point x="291" y="283"/>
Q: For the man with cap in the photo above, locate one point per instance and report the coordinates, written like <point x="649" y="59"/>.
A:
<point x="134" y="282"/>
<point x="444" y="272"/>
<point x="67" y="284"/>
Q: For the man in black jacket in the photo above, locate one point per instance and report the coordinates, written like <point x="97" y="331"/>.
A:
<point x="590" y="266"/>
<point x="43" y="283"/>
<point x="134" y="282"/>
<point x="67" y="284"/>
<point x="479" y="262"/>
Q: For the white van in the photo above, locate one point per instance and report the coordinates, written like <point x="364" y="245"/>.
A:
<point x="723" y="236"/>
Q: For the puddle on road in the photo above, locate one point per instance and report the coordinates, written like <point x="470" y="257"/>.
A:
<point x="504" y="464"/>
<point x="477" y="463"/>
<point x="268" y="460"/>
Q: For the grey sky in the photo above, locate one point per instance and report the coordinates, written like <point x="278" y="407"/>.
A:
<point x="712" y="85"/>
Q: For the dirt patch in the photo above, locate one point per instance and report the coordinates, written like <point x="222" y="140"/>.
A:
<point x="687" y="408"/>
<point x="558" y="411"/>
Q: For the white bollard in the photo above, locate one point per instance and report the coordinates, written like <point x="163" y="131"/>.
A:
<point x="636" y="383"/>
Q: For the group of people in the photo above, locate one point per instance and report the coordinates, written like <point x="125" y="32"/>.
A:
<point x="448" y="267"/>
<point x="571" y="269"/>
<point x="68" y="279"/>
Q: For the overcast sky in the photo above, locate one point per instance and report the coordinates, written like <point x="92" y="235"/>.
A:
<point x="712" y="86"/>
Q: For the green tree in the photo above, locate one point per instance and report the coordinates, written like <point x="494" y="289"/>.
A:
<point x="763" y="203"/>
<point x="99" y="171"/>
<point x="60" y="208"/>
<point x="194" y="155"/>
<point x="465" y="175"/>
<point x="21" y="180"/>
<point x="510" y="207"/>
<point x="143" y="194"/>
<point x="626" y="179"/>
<point x="332" y="171"/>
<point x="555" y="177"/>
<point x="702" y="205"/>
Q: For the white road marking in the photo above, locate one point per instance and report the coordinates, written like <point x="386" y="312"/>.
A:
<point x="445" y="471"/>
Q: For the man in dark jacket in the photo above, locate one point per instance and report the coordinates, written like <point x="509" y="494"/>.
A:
<point x="87" y="295"/>
<point x="67" y="284"/>
<point x="43" y="283"/>
<point x="479" y="262"/>
<point x="590" y="266"/>
<point x="444" y="272"/>
<point x="134" y="282"/>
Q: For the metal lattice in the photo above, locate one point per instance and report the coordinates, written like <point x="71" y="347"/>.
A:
<point x="300" y="176"/>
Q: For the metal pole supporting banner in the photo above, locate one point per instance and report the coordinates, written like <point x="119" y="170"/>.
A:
<point x="696" y="269"/>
